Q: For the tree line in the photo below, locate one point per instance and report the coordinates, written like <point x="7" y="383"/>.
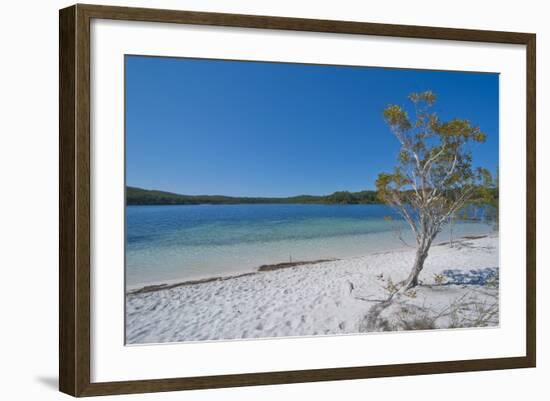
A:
<point x="139" y="196"/>
<point x="484" y="196"/>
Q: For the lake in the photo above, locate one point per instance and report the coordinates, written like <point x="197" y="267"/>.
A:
<point x="183" y="242"/>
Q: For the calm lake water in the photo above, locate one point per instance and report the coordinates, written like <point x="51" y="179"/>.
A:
<point x="174" y="243"/>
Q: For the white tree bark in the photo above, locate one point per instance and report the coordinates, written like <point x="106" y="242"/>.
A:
<point x="431" y="211"/>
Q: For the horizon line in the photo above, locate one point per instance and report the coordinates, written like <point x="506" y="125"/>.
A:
<point x="248" y="196"/>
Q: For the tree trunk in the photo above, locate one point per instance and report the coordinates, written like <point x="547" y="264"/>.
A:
<point x="451" y="231"/>
<point x="412" y="280"/>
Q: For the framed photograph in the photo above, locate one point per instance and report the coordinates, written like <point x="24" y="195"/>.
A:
<point x="250" y="200"/>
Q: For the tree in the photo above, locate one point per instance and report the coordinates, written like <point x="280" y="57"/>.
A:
<point x="434" y="176"/>
<point x="488" y="194"/>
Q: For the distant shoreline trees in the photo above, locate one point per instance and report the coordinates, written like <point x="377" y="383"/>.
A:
<point x="138" y="196"/>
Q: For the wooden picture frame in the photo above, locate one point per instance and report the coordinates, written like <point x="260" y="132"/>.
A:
<point x="74" y="203"/>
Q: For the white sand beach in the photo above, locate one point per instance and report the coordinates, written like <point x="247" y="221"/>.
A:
<point x="459" y="289"/>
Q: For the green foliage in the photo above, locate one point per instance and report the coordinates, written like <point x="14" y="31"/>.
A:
<point x="428" y="96"/>
<point x="138" y="196"/>
<point x="433" y="176"/>
<point x="487" y="194"/>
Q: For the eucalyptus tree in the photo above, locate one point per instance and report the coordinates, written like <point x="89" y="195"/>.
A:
<point x="434" y="176"/>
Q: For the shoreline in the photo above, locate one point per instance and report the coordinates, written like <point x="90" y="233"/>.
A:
<point x="459" y="287"/>
<point x="275" y="266"/>
<point x="260" y="269"/>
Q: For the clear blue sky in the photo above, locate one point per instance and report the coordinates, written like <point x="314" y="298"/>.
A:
<point x="272" y="129"/>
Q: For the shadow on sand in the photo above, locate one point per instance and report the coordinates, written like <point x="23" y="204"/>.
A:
<point x="471" y="277"/>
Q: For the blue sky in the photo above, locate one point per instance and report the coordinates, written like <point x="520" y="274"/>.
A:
<point x="275" y="129"/>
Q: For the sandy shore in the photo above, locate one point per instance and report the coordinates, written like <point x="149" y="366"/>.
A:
<point x="459" y="289"/>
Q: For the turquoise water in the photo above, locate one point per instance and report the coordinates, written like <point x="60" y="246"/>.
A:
<point x="172" y="243"/>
